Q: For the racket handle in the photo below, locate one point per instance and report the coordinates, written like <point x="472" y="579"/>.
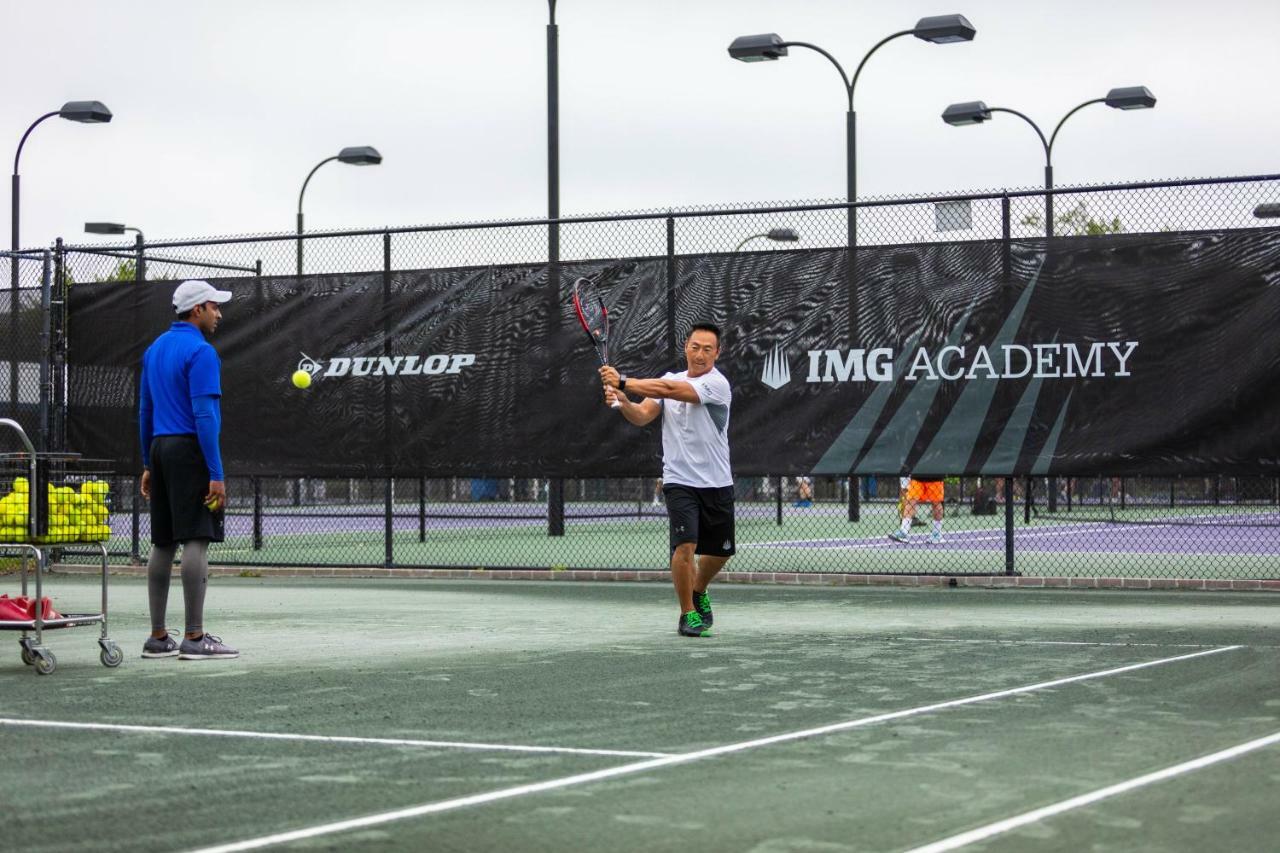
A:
<point x="615" y="405"/>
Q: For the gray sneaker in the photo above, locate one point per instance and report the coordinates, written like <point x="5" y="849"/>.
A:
<point x="208" y="647"/>
<point x="899" y="536"/>
<point x="162" y="647"/>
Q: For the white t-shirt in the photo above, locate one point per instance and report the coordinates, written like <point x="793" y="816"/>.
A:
<point x="695" y="436"/>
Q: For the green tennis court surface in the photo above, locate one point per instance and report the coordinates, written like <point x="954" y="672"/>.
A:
<point x="562" y="716"/>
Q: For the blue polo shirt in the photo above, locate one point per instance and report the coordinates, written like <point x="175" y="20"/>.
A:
<point x="181" y="387"/>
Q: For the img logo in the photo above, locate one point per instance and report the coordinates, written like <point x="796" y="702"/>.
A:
<point x="777" y="371"/>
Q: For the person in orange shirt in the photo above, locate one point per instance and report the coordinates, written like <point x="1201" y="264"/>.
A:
<point x="926" y="491"/>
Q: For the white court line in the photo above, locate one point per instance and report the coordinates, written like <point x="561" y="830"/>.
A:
<point x="998" y="642"/>
<point x="953" y="537"/>
<point x="984" y="832"/>
<point x="683" y="758"/>
<point x="380" y="741"/>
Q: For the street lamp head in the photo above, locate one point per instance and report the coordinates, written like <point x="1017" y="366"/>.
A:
<point x="970" y="112"/>
<point x="86" y="112"/>
<point x="361" y="155"/>
<point x="783" y="235"/>
<point x="757" y="48"/>
<point x="1267" y="211"/>
<point x="1131" y="98"/>
<point x="944" y="29"/>
<point x="103" y="228"/>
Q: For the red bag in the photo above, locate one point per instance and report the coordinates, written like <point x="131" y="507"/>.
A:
<point x="23" y="609"/>
<point x="46" y="608"/>
<point x="14" y="609"/>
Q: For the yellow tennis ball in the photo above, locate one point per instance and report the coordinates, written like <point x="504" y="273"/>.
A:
<point x="301" y="379"/>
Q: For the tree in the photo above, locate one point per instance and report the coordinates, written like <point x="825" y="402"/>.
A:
<point x="1076" y="222"/>
<point x="124" y="271"/>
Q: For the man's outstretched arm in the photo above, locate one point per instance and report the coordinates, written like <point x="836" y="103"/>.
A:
<point x="654" y="389"/>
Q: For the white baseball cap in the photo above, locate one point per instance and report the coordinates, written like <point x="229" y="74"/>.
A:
<point x="189" y="294"/>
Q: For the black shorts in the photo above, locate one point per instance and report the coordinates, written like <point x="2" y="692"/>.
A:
<point x="179" y="483"/>
<point x="704" y="516"/>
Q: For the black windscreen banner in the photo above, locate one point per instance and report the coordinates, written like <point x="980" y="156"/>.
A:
<point x="1125" y="354"/>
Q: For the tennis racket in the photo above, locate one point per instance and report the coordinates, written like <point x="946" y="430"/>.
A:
<point x="594" y="317"/>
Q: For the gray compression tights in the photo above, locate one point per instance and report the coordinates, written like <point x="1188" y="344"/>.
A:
<point x="195" y="579"/>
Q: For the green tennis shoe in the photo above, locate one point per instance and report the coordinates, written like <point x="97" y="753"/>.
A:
<point x="702" y="604"/>
<point x="691" y="625"/>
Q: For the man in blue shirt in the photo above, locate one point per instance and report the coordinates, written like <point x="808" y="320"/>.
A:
<point x="179" y="418"/>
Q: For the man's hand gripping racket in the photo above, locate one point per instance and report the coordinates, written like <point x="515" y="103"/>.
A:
<point x="594" y="318"/>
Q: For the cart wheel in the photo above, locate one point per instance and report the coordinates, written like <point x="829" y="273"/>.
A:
<point x="27" y="657"/>
<point x="111" y="655"/>
<point x="45" y="663"/>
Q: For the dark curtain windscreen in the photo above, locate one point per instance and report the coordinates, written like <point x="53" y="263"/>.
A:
<point x="1151" y="354"/>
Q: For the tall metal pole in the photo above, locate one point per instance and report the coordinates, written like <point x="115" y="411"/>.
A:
<point x="15" y="239"/>
<point x="302" y="193"/>
<point x="555" y="487"/>
<point x="553" y="132"/>
<point x="851" y="265"/>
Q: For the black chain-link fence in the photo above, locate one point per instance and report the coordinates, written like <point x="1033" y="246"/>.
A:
<point x="1192" y="526"/>
<point x="28" y="362"/>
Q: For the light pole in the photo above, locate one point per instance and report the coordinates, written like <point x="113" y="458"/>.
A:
<point x="777" y="235"/>
<point x="976" y="112"/>
<point x="939" y="29"/>
<point x="139" y="244"/>
<point x="362" y="155"/>
<point x="84" y="112"/>
<point x="111" y="228"/>
<point x="553" y="131"/>
<point x="555" y="485"/>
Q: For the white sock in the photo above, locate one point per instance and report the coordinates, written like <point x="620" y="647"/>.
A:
<point x="906" y="525"/>
<point x="937" y="527"/>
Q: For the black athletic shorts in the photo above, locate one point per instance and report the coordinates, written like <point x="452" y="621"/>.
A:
<point x="179" y="483"/>
<point x="704" y="516"/>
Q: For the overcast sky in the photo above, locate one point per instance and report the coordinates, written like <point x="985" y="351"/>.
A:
<point x="221" y="108"/>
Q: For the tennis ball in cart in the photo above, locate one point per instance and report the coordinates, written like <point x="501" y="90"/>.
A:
<point x="301" y="379"/>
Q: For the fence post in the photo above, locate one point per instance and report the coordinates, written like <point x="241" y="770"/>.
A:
<point x="1006" y="271"/>
<point x="422" y="509"/>
<point x="46" y="380"/>
<point x="555" y="485"/>
<point x="673" y="345"/>
<point x="1008" y="525"/>
<point x="13" y="300"/>
<point x="59" y="436"/>
<point x="257" y="513"/>
<point x="777" y="499"/>
<point x="139" y="259"/>
<point x="135" y="549"/>
<point x="388" y="510"/>
<point x="389" y="488"/>
<point x="1006" y="243"/>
